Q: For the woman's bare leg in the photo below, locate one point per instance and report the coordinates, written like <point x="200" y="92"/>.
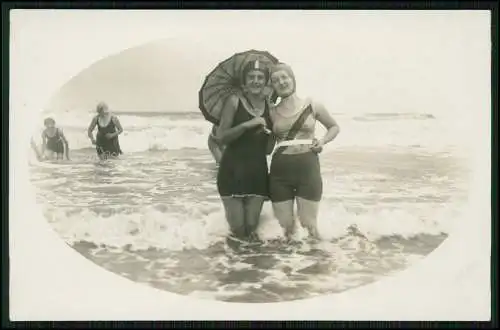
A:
<point x="235" y="215"/>
<point x="308" y="215"/>
<point x="253" y="209"/>
<point x="283" y="211"/>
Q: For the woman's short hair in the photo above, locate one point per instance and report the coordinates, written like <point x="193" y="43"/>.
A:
<point x="49" y="120"/>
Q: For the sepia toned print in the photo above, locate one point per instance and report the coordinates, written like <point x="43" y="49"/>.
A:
<point x="393" y="181"/>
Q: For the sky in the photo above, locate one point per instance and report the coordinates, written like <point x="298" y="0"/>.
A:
<point x="352" y="62"/>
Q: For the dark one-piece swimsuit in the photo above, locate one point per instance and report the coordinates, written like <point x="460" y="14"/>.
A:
<point x="55" y="143"/>
<point x="243" y="169"/>
<point x="104" y="145"/>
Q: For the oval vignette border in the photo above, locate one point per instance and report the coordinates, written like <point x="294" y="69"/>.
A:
<point x="20" y="105"/>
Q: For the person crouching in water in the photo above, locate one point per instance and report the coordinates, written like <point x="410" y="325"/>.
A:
<point x="108" y="129"/>
<point x="54" y="143"/>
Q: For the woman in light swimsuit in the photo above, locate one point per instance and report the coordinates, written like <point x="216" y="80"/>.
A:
<point x="54" y="143"/>
<point x="108" y="129"/>
<point x="295" y="174"/>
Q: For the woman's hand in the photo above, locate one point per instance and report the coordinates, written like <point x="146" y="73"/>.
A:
<point x="257" y="121"/>
<point x="317" y="146"/>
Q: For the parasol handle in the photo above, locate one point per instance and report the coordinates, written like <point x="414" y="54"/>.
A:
<point x="266" y="130"/>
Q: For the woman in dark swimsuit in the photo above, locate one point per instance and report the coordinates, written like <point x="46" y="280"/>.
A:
<point x="108" y="129"/>
<point x="242" y="179"/>
<point x="54" y="141"/>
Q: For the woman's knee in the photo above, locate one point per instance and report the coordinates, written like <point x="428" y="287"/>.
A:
<point x="253" y="210"/>
<point x="307" y="212"/>
<point x="235" y="215"/>
<point x="308" y="221"/>
<point x="283" y="211"/>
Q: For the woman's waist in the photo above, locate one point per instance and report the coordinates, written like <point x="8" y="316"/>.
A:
<point x="305" y="131"/>
<point x="248" y="143"/>
<point x="294" y="161"/>
<point x="296" y="150"/>
<point x="102" y="134"/>
<point x="104" y="139"/>
<point x="295" y="146"/>
<point x="54" y="140"/>
<point x="300" y="135"/>
<point x="246" y="151"/>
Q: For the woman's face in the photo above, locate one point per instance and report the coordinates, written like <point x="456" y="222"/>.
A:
<point x="255" y="81"/>
<point x="282" y="83"/>
<point x="102" y="110"/>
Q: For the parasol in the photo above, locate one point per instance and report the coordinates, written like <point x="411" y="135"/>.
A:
<point x="225" y="80"/>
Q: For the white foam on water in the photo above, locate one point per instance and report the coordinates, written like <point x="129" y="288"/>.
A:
<point x="166" y="133"/>
<point x="148" y="207"/>
<point x="203" y="226"/>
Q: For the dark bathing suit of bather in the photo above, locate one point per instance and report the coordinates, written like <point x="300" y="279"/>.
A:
<point x="104" y="145"/>
<point x="243" y="169"/>
<point x="55" y="143"/>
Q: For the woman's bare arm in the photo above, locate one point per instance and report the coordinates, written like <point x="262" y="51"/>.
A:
<point x="44" y="143"/>
<point x="226" y="133"/>
<point x="91" y="128"/>
<point x="324" y="117"/>
<point x="119" y="128"/>
<point x="65" y="142"/>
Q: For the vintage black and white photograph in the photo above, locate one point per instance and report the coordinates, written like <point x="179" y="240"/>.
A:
<point x="255" y="165"/>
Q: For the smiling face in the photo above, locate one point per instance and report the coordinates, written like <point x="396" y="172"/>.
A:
<point x="255" y="81"/>
<point x="282" y="83"/>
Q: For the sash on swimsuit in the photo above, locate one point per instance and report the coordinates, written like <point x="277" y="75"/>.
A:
<point x="289" y="139"/>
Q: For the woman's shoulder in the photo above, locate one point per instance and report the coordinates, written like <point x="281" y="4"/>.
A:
<point x="233" y="102"/>
<point x="234" y="99"/>
<point x="317" y="106"/>
<point x="305" y="103"/>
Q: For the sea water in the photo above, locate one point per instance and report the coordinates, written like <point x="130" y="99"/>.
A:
<point x="394" y="188"/>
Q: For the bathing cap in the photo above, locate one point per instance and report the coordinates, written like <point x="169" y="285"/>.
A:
<point x="287" y="69"/>
<point x="255" y="65"/>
